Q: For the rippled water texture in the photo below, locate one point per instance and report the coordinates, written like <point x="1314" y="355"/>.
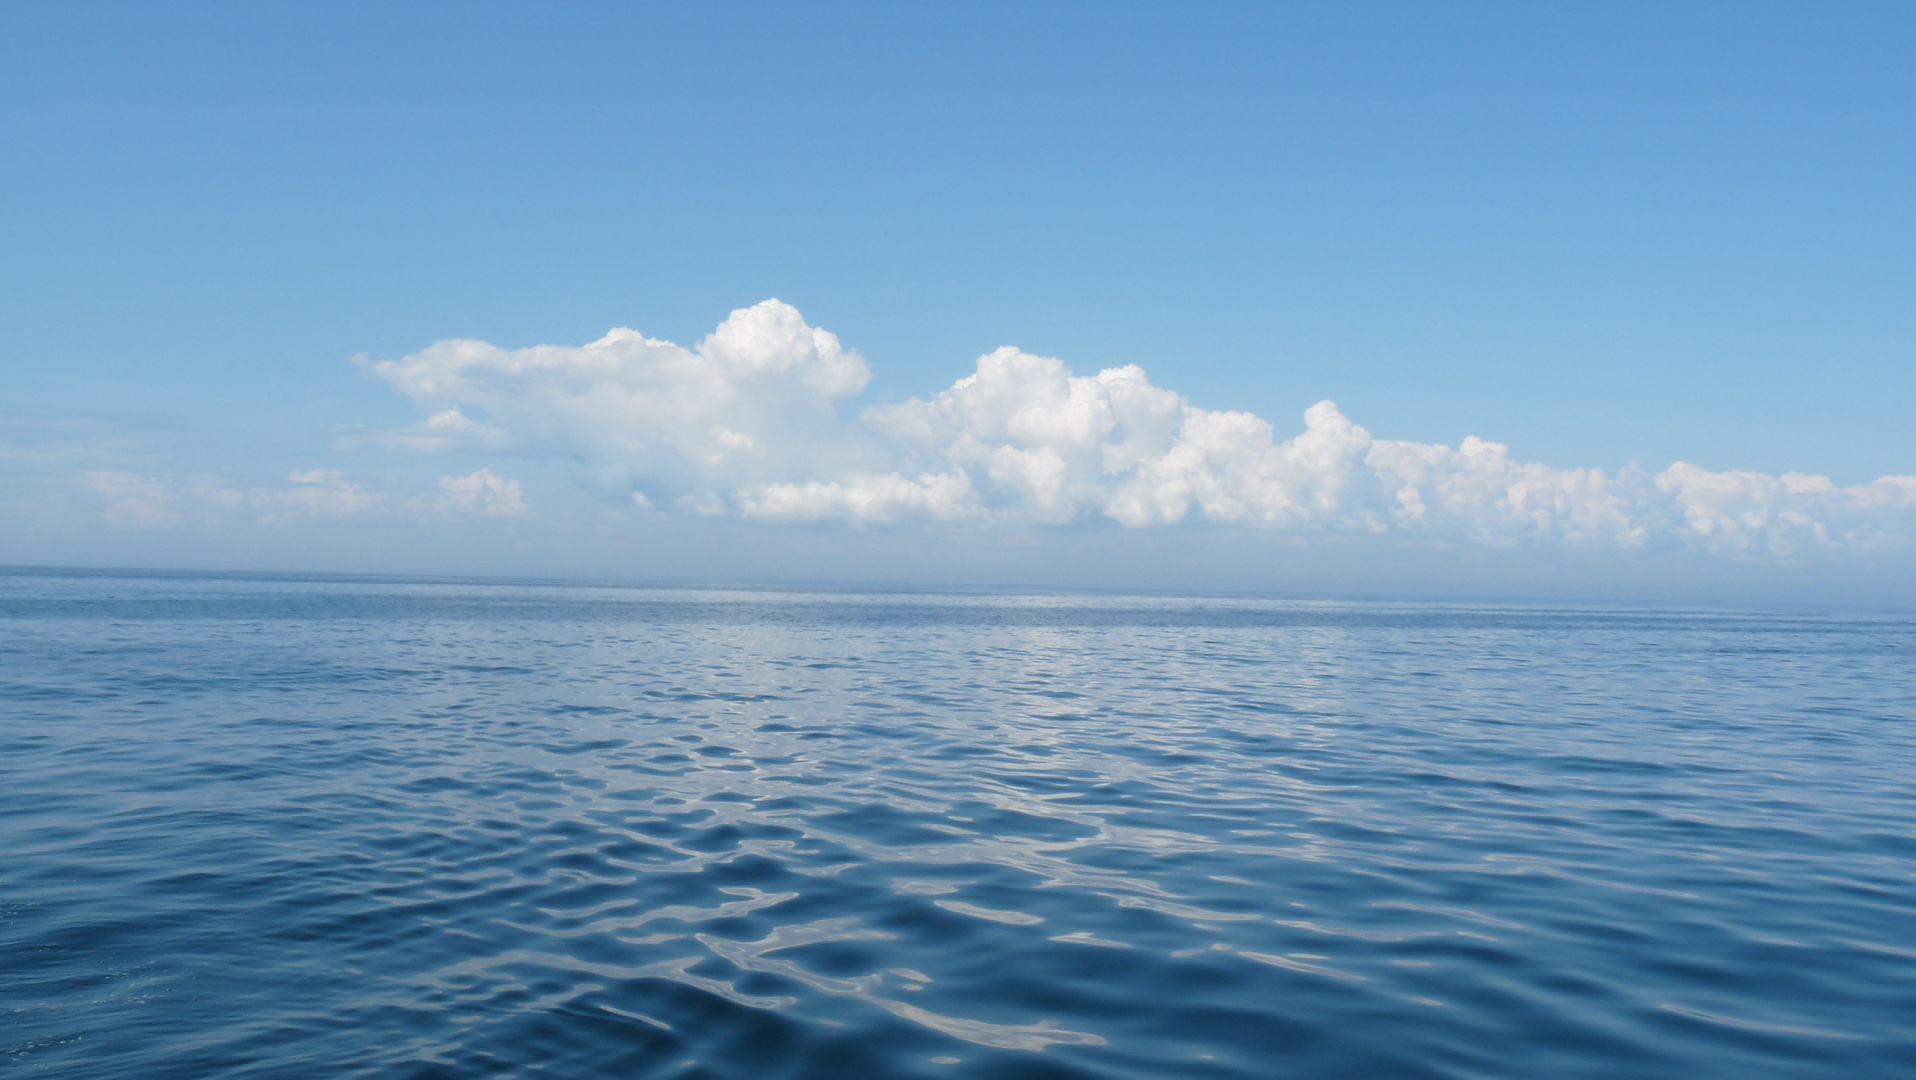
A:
<point x="338" y="828"/>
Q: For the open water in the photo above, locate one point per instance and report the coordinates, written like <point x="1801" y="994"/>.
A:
<point x="293" y="828"/>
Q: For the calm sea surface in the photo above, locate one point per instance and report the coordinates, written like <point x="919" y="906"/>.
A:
<point x="285" y="828"/>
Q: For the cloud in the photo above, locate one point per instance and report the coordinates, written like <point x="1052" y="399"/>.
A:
<point x="1748" y="512"/>
<point x="318" y="493"/>
<point x="134" y="500"/>
<point x="1040" y="441"/>
<point x="747" y="424"/>
<point x="143" y="500"/>
<point x="754" y="403"/>
<point x="866" y="499"/>
<point x="483" y="492"/>
<point x="146" y="500"/>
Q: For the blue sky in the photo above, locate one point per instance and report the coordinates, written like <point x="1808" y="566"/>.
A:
<point x="1594" y="235"/>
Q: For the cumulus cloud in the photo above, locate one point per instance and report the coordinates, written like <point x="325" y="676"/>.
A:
<point x="754" y="403"/>
<point x="747" y="423"/>
<point x="866" y="499"/>
<point x="1041" y="442"/>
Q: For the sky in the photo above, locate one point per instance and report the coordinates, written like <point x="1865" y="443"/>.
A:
<point x="1500" y="300"/>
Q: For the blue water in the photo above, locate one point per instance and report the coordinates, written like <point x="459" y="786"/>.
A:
<point x="356" y="828"/>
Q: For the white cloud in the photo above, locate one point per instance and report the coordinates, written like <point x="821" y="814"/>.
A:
<point x="1752" y="513"/>
<point x="747" y="424"/>
<point x="1041" y="440"/>
<point x="754" y="403"/>
<point x="866" y="499"/>
<point x="1476" y="491"/>
<point x="143" y="500"/>
<point x="1225" y="466"/>
<point x="319" y="493"/>
<point x="483" y="492"/>
<point x="134" y="500"/>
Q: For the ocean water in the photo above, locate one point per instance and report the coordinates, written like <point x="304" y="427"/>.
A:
<point x="335" y="828"/>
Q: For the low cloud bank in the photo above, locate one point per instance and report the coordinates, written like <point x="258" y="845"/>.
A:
<point x="747" y="424"/>
<point x="146" y="500"/>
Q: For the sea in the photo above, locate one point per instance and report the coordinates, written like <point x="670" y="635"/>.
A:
<point x="333" y="827"/>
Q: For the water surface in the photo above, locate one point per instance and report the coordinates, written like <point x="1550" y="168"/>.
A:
<point x="336" y="828"/>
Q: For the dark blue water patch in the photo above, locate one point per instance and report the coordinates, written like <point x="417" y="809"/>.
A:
<point x="284" y="827"/>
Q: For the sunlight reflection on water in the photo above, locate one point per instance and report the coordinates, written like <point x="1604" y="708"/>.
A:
<point x="283" y="827"/>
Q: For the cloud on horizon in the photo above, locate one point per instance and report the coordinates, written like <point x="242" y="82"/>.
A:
<point x="747" y="424"/>
<point x="147" y="500"/>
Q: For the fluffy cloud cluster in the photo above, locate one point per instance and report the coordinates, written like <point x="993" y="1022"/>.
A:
<point x="755" y="402"/>
<point x="747" y="423"/>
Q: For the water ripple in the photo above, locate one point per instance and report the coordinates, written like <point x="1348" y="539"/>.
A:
<point x="278" y="827"/>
